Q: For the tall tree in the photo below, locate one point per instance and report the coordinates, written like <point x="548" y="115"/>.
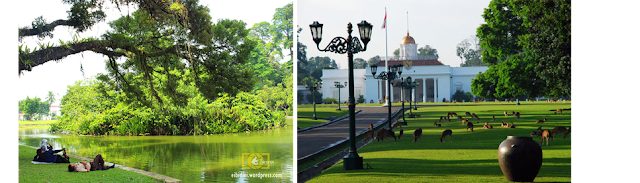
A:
<point x="359" y="63"/>
<point x="51" y="97"/>
<point x="283" y="27"/>
<point x="427" y="51"/>
<point x="527" y="45"/>
<point x="469" y="52"/>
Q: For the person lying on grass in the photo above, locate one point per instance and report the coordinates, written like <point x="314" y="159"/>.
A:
<point x="83" y="166"/>
<point x="47" y="154"/>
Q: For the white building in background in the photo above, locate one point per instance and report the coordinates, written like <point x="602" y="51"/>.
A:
<point x="437" y="82"/>
<point x="329" y="90"/>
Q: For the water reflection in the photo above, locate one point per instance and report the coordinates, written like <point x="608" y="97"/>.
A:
<point x="212" y="158"/>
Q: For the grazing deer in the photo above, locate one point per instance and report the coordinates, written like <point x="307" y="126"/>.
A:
<point x="444" y="134"/>
<point x="475" y="116"/>
<point x="464" y="121"/>
<point x="518" y="115"/>
<point x="469" y="125"/>
<point x="401" y="132"/>
<point x="487" y="126"/>
<point x="505" y="114"/>
<point x="380" y="136"/>
<point x="441" y="117"/>
<point x="370" y="132"/>
<point x="417" y="134"/>
<point x="545" y="135"/>
<point x="467" y="114"/>
<point x="535" y="133"/>
<point x="559" y="129"/>
<point x="460" y="118"/>
<point x="503" y="124"/>
<point x="541" y="121"/>
<point x="558" y="111"/>
<point x="512" y="125"/>
<point x="391" y="134"/>
<point x="454" y="114"/>
<point x="397" y="124"/>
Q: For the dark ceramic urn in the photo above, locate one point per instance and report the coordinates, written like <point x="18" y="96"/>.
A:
<point x="520" y="158"/>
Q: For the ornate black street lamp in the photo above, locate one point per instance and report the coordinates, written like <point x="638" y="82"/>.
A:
<point x="313" y="88"/>
<point x="411" y="85"/>
<point x="402" y="84"/>
<point x="338" y="85"/>
<point x="350" y="45"/>
<point x="389" y="76"/>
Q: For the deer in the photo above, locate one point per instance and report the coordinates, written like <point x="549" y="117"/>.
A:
<point x="465" y="121"/>
<point x="460" y="118"/>
<point x="467" y="114"/>
<point x="475" y="116"/>
<point x="559" y="129"/>
<point x="505" y="114"/>
<point x="558" y="111"/>
<point x="518" y="115"/>
<point x="494" y="117"/>
<point x="397" y="124"/>
<point x="441" y="117"/>
<point x="487" y="126"/>
<point x="545" y="135"/>
<point x="452" y="114"/>
<point x="503" y="124"/>
<point x="444" y="134"/>
<point x="370" y="132"/>
<point x="417" y="134"/>
<point x="401" y="132"/>
<point x="535" y="133"/>
<point x="470" y="125"/>
<point x="380" y="136"/>
<point x="541" y="121"/>
<point x="512" y="125"/>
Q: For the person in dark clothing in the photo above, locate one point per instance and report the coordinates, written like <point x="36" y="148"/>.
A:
<point x="47" y="154"/>
<point x="83" y="166"/>
<point x="51" y="156"/>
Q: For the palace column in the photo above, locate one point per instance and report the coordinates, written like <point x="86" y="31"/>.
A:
<point x="424" y="88"/>
<point x="435" y="89"/>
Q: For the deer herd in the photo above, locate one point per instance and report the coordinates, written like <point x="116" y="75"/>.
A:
<point x="544" y="134"/>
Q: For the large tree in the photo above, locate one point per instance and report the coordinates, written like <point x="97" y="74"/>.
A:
<point x="32" y="107"/>
<point x="427" y="51"/>
<point x="469" y="52"/>
<point x="159" y="34"/>
<point x="527" y="48"/>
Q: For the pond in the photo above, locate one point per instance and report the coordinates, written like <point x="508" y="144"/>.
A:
<point x="205" y="158"/>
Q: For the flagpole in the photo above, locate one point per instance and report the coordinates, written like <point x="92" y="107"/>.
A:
<point x="386" y="52"/>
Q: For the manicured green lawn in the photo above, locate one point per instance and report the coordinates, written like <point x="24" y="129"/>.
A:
<point x="37" y="122"/>
<point x="305" y="115"/>
<point x="471" y="157"/>
<point x="57" y="172"/>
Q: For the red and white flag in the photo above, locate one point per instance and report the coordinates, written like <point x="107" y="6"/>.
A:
<point x="384" y="23"/>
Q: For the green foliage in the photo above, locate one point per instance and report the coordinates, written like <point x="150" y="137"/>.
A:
<point x="361" y="99"/>
<point x="32" y="107"/>
<point x="527" y="46"/>
<point x="460" y="95"/>
<point x="329" y="100"/>
<point x="427" y="51"/>
<point x="90" y="107"/>
<point x="469" y="52"/>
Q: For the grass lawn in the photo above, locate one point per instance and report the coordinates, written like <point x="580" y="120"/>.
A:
<point x="58" y="172"/>
<point x="305" y="115"/>
<point x="40" y="122"/>
<point x="471" y="157"/>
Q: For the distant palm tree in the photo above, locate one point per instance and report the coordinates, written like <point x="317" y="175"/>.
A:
<point x="51" y="98"/>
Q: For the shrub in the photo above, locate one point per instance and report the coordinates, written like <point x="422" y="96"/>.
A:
<point x="329" y="101"/>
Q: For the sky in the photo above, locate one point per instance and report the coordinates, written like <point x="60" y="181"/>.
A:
<point x="56" y="76"/>
<point x="440" y="24"/>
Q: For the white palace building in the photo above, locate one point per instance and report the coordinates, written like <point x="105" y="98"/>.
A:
<point x="436" y="80"/>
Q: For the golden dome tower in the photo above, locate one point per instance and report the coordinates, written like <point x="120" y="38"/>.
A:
<point x="408" y="48"/>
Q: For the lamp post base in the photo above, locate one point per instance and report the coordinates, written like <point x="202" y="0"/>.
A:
<point x="352" y="161"/>
<point x="338" y="109"/>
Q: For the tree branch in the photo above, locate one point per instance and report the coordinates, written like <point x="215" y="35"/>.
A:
<point x="41" y="29"/>
<point x="39" y="57"/>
